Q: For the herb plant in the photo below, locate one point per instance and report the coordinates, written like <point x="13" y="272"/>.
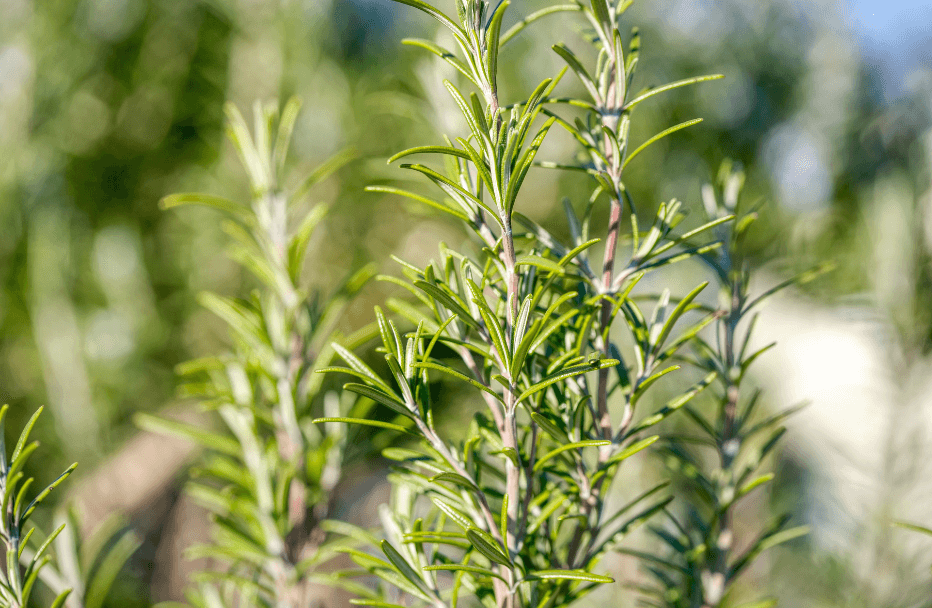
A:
<point x="704" y="557"/>
<point x="25" y="560"/>
<point x="268" y="479"/>
<point x="517" y="512"/>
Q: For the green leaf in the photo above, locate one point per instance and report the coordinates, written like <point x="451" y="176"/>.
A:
<point x="238" y="133"/>
<point x="678" y="312"/>
<point x="389" y="401"/>
<point x="449" y="151"/>
<point x="44" y="493"/>
<point x="328" y="168"/>
<point x="488" y="546"/>
<point x="748" y="487"/>
<point x="364" y="422"/>
<point x="436" y="14"/>
<point x="673" y="405"/>
<point x="503" y="522"/>
<point x="773" y="536"/>
<point x="357" y="364"/>
<point x="61" y="599"/>
<point x="914" y="527"/>
<point x="525" y="163"/>
<point x="550" y="10"/>
<point x="240" y="318"/>
<point x="449" y="301"/>
<point x="575" y="251"/>
<point x="421" y="199"/>
<point x="540" y="262"/>
<point x="443" y="54"/>
<point x="618" y="54"/>
<point x="285" y="128"/>
<point x="437" y="538"/>
<point x="459" y="376"/>
<point x="496" y="333"/>
<point x="632" y="449"/>
<point x="569" y="575"/>
<point x="475" y="120"/>
<point x="642" y="517"/>
<point x="546" y="512"/>
<point x="556" y="324"/>
<point x="600" y="9"/>
<point x="509" y="453"/>
<point x="463" y="568"/>
<point x="24" y="436"/>
<point x="649" y="381"/>
<point x="492" y="40"/>
<point x="48" y="542"/>
<point x="800" y="279"/>
<point x="480" y="165"/>
<point x="205" y="200"/>
<point x="667" y="87"/>
<point x="658" y="137"/>
<point x="109" y="568"/>
<point x="570" y="446"/>
<point x="570" y="58"/>
<point x="564" y="374"/>
<point x="403" y="567"/>
<point x="297" y="248"/>
<point x="3" y="461"/>
<point x="783" y="537"/>
<point x="214" y="441"/>
<point x="633" y="502"/>
<point x="454" y="478"/>
<point x="519" y="329"/>
<point x="550" y="427"/>
<point x="461" y="520"/>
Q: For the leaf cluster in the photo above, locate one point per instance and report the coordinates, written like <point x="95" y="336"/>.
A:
<point x="268" y="477"/>
<point x="514" y="514"/>
<point x="703" y="560"/>
<point x="17" y="505"/>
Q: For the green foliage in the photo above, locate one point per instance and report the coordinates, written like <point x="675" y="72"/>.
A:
<point x="106" y="108"/>
<point x="90" y="566"/>
<point x="703" y="560"/>
<point x="518" y="513"/>
<point x="268" y="478"/>
<point x="25" y="561"/>
<point x="79" y="573"/>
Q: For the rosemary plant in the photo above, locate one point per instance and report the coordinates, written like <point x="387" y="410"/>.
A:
<point x="704" y="559"/>
<point x="269" y="479"/>
<point x="516" y="512"/>
<point x="24" y="565"/>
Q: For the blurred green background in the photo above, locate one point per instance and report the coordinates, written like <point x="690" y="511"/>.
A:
<point x="108" y="105"/>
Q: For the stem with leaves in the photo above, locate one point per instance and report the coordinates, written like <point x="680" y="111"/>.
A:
<point x="269" y="481"/>
<point x="23" y="566"/>
<point x="527" y="322"/>
<point x="604" y="137"/>
<point x="705" y="563"/>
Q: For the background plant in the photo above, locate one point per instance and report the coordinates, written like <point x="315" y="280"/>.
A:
<point x="269" y="478"/>
<point x="74" y="574"/>
<point x="705" y="554"/>
<point x="18" y="581"/>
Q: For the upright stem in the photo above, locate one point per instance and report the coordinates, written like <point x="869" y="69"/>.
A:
<point x="608" y="271"/>
<point x="609" y="117"/>
<point x="510" y="430"/>
<point x="714" y="587"/>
